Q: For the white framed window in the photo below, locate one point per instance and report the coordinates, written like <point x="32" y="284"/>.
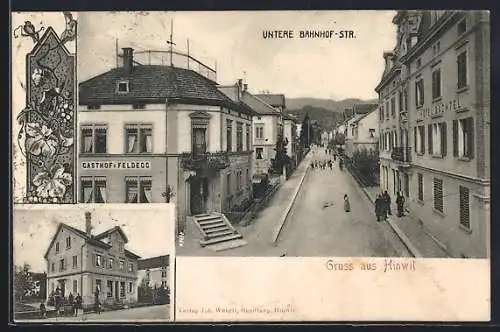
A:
<point x="138" y="189"/>
<point x="419" y="92"/>
<point x="93" y="139"/>
<point x="68" y="242"/>
<point x="138" y="138"/>
<point x="259" y="132"/>
<point x="464" y="193"/>
<point x="75" y="261"/>
<point x="122" y="87"/>
<point x="98" y="260"/>
<point x="93" y="189"/>
<point x="419" y="139"/>
<point x="463" y="138"/>
<point x="110" y="263"/>
<point x="436" y="84"/>
<point x="122" y="289"/>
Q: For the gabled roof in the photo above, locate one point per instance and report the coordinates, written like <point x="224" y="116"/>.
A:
<point x="88" y="239"/>
<point x="364" y="108"/>
<point x="153" y="262"/>
<point x="152" y="84"/>
<point x="275" y="100"/>
<point x="362" y="116"/>
<point x="105" y="234"/>
<point x="258" y="105"/>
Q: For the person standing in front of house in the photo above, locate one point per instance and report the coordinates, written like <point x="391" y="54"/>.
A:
<point x="387" y="200"/>
<point x="400" y="202"/>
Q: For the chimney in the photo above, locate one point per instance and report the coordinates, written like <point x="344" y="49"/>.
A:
<point x="245" y="87"/>
<point x="88" y="223"/>
<point x="128" y="59"/>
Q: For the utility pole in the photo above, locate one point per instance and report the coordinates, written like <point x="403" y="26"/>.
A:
<point x="188" y="53"/>
<point x="116" y="52"/>
<point x="171" y="41"/>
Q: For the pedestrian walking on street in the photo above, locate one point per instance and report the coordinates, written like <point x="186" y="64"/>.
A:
<point x="43" y="311"/>
<point x="387" y="199"/>
<point x="400" y="202"/>
<point x="78" y="304"/>
<point x="379" y="208"/>
<point x="97" y="304"/>
<point x="347" y="205"/>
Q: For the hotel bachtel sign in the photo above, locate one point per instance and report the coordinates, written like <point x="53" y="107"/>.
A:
<point x="116" y="165"/>
<point x="439" y="109"/>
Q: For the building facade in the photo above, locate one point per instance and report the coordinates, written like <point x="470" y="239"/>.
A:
<point x="445" y="58"/>
<point x="79" y="262"/>
<point x="266" y="126"/>
<point x="366" y="132"/>
<point x="147" y="131"/>
<point x="155" y="272"/>
<point x="291" y="138"/>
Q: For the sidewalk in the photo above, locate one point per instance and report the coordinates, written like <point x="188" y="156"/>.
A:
<point x="259" y="233"/>
<point x="413" y="235"/>
<point x="267" y="220"/>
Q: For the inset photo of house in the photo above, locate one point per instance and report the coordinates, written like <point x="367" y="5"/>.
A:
<point x="88" y="264"/>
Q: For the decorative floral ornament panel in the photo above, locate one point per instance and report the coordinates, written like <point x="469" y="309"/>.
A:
<point x="46" y="125"/>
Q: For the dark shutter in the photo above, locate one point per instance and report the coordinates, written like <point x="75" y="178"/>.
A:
<point x="444" y="141"/>
<point x="470" y="138"/>
<point x="422" y="139"/>
<point x="415" y="138"/>
<point x="455" y="138"/>
<point x="416" y="93"/>
<point x="429" y="138"/>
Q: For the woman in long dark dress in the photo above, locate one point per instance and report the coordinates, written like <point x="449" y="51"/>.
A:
<point x="347" y="205"/>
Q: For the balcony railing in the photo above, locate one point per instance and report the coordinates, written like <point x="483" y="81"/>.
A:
<point x="401" y="154"/>
<point x="206" y="160"/>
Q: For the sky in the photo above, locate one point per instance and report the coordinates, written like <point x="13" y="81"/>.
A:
<point x="320" y="68"/>
<point x="150" y="230"/>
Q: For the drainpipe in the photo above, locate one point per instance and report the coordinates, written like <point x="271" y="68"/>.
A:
<point x="81" y="270"/>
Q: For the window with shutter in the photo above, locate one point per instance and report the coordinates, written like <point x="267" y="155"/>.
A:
<point x="429" y="138"/>
<point x="444" y="141"/>
<point x="438" y="194"/>
<point x="464" y="207"/>
<point x="455" y="138"/>
<point x="470" y="138"/>
<point x="420" y="179"/>
<point x="462" y="70"/>
<point x="436" y="84"/>
<point x="415" y="138"/>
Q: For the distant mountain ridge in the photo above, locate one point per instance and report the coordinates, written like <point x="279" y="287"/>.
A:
<point x="329" y="104"/>
<point x="326" y="112"/>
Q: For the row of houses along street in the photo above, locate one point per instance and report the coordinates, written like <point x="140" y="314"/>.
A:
<point x="431" y="129"/>
<point x="153" y="133"/>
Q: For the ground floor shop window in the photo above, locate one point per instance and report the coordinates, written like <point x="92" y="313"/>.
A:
<point x="122" y="288"/>
<point x="110" y="288"/>
<point x="464" y="206"/>
<point x="130" y="287"/>
<point x="138" y="190"/>
<point x="93" y="189"/>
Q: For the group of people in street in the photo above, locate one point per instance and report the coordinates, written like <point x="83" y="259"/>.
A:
<point x="61" y="302"/>
<point x="322" y="164"/>
<point x="383" y="205"/>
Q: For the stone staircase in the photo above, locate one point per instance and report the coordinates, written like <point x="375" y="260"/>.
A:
<point x="217" y="231"/>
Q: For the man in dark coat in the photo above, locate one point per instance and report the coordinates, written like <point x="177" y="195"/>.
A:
<point x="379" y="207"/>
<point x="387" y="200"/>
<point x="400" y="202"/>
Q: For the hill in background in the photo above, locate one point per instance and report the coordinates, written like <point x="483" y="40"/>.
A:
<point x="326" y="112"/>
